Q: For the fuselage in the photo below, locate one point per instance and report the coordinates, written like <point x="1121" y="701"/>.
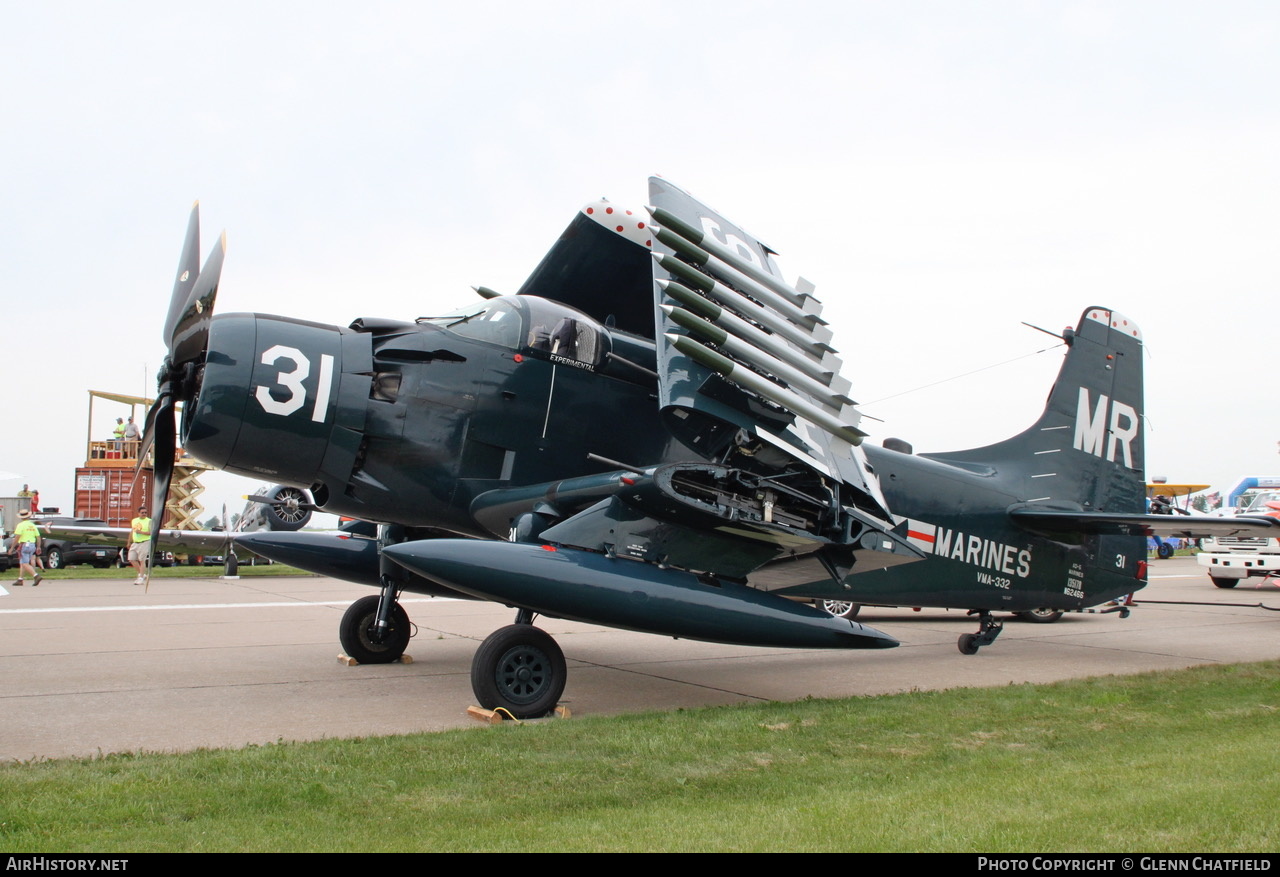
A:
<point x="410" y="422"/>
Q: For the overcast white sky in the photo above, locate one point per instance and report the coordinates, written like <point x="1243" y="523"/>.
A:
<point x="941" y="170"/>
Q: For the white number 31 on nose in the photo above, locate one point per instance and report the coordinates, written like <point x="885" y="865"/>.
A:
<point x="292" y="381"/>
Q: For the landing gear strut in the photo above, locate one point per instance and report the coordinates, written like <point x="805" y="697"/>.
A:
<point x="988" y="630"/>
<point x="519" y="668"/>
<point x="365" y="640"/>
<point x="376" y="629"/>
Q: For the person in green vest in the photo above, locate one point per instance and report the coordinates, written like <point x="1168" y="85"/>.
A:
<point x="140" y="544"/>
<point x="26" y="544"/>
<point x="118" y="433"/>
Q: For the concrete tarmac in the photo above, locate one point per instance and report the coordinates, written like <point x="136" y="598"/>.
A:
<point x="92" y="667"/>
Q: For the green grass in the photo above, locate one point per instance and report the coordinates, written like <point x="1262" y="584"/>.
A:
<point x="1178" y="761"/>
<point x="163" y="572"/>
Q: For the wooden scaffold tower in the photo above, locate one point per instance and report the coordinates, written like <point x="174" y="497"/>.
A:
<point x="113" y="482"/>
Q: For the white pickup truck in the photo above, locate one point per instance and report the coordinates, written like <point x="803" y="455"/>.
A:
<point x="1229" y="559"/>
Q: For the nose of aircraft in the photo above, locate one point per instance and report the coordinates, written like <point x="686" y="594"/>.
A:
<point x="270" y="396"/>
<point x="263" y="396"/>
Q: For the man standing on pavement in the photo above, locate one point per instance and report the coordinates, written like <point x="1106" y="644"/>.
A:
<point x="140" y="544"/>
<point x="26" y="543"/>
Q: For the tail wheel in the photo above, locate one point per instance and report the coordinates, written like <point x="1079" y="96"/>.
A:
<point x="354" y="632"/>
<point x="1221" y="582"/>
<point x="521" y="669"/>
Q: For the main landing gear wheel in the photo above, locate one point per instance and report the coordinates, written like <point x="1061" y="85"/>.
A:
<point x="840" y="608"/>
<point x="519" y="668"/>
<point x="1221" y="582"/>
<point x="353" y="632"/>
<point x="1164" y="551"/>
<point x="968" y="644"/>
<point x="1040" y="616"/>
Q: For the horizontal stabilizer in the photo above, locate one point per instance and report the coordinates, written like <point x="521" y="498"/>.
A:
<point x="1179" y="526"/>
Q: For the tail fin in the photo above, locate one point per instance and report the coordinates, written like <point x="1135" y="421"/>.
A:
<point x="1086" y="451"/>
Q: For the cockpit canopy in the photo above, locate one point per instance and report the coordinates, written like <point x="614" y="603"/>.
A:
<point x="528" y="324"/>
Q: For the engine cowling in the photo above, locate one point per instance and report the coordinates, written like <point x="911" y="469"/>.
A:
<point x="280" y="398"/>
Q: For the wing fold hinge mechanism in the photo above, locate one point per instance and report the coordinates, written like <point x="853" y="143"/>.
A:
<point x="704" y="517"/>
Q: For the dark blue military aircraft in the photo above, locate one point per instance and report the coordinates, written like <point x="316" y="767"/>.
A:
<point x="651" y="434"/>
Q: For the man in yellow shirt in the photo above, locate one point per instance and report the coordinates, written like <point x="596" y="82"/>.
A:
<point x="140" y="544"/>
<point x="26" y="543"/>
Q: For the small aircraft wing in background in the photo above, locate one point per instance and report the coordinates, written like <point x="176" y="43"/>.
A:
<point x="274" y="507"/>
<point x="200" y="541"/>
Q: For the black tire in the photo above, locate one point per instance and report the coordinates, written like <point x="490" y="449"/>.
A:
<point x="1164" y="551"/>
<point x="521" y="669"/>
<point x="1040" y="616"/>
<point x="53" y="558"/>
<point x="1221" y="582"/>
<point x="839" y="608"/>
<point x="967" y="644"/>
<point x="353" y="632"/>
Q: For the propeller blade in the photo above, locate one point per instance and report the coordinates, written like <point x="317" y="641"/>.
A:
<point x="166" y="441"/>
<point x="148" y="439"/>
<point x="191" y="332"/>
<point x="188" y="271"/>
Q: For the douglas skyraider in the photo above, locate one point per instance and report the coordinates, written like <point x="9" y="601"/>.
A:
<point x="652" y="433"/>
